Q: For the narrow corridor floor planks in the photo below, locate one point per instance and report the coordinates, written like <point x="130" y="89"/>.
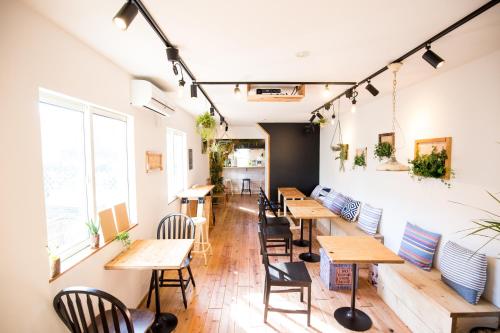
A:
<point x="229" y="291"/>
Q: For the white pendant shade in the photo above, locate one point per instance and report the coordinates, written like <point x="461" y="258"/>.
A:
<point x="392" y="165"/>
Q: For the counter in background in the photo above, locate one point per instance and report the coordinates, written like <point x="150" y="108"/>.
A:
<point x="236" y="175"/>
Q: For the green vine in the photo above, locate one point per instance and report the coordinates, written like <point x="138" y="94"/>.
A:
<point x="219" y="153"/>
<point x="383" y="149"/>
<point x="206" y="126"/>
<point x="431" y="165"/>
<point x="359" y="160"/>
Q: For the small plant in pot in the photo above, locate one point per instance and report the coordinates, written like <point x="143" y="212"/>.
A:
<point x="383" y="150"/>
<point x="359" y="160"/>
<point x="206" y="126"/>
<point x="54" y="263"/>
<point x="94" y="233"/>
<point x="124" y="237"/>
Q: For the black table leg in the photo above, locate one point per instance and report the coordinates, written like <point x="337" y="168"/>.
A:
<point x="309" y="256"/>
<point x="301" y="242"/>
<point x="350" y="317"/>
<point x="164" y="322"/>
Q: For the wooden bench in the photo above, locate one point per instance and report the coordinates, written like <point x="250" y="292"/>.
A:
<point x="340" y="227"/>
<point x="426" y="304"/>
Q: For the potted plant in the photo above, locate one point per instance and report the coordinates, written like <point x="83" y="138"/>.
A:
<point x="359" y="160"/>
<point x="383" y="150"/>
<point x="206" y="126"/>
<point x="432" y="165"/>
<point x="94" y="233"/>
<point x="54" y="263"/>
<point x="219" y="152"/>
<point x="124" y="237"/>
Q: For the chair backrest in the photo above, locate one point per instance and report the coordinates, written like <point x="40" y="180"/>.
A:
<point x="262" y="211"/>
<point x="267" y="202"/>
<point x="176" y="226"/>
<point x="83" y="310"/>
<point x="263" y="252"/>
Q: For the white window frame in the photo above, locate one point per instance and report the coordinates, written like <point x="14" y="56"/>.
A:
<point x="89" y="109"/>
<point x="171" y="195"/>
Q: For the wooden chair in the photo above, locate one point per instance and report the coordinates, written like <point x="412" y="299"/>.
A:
<point x="83" y="309"/>
<point x="274" y="208"/>
<point x="175" y="226"/>
<point x="292" y="275"/>
<point x="277" y="234"/>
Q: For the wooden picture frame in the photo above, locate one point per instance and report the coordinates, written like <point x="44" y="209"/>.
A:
<point x="154" y="161"/>
<point x="360" y="151"/>
<point x="424" y="146"/>
<point x="387" y="137"/>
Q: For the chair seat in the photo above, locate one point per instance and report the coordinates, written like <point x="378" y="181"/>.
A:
<point x="280" y="220"/>
<point x="290" y="271"/>
<point x="273" y="231"/>
<point x="141" y="320"/>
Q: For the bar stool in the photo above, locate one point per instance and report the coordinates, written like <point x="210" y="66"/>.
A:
<point x="245" y="186"/>
<point x="202" y="243"/>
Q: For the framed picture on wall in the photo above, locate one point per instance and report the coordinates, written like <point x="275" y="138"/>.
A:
<point x="190" y="158"/>
<point x="154" y="161"/>
<point x="386" y="137"/>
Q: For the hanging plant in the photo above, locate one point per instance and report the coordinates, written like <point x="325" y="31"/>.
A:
<point x="359" y="160"/>
<point x="383" y="150"/>
<point x="432" y="165"/>
<point x="343" y="155"/>
<point x="206" y="126"/>
<point x="321" y="122"/>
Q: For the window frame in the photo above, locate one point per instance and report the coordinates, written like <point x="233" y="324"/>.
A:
<point x="171" y="197"/>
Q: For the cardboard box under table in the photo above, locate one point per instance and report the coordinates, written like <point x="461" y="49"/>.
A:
<point x="335" y="276"/>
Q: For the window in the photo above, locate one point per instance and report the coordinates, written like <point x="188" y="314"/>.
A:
<point x="176" y="162"/>
<point x="85" y="167"/>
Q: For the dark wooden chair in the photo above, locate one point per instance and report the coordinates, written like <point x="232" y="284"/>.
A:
<point x="175" y="226"/>
<point x="276" y="235"/>
<point x="268" y="206"/>
<point x="84" y="310"/>
<point x="292" y="275"/>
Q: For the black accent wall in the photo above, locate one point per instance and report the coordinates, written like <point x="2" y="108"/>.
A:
<point x="294" y="157"/>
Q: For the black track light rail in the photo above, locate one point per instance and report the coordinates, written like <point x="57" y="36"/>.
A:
<point x="333" y="83"/>
<point x="434" y="38"/>
<point x="152" y="23"/>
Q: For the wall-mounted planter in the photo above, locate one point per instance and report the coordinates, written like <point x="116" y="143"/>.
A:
<point x="432" y="159"/>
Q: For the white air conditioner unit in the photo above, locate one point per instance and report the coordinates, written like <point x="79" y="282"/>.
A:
<point x="145" y="94"/>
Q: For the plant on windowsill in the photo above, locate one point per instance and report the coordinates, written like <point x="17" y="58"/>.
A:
<point x="93" y="233"/>
<point x="432" y="165"/>
<point x="206" y="126"/>
<point x="124" y="237"/>
<point x="359" y="160"/>
<point x="54" y="263"/>
<point x="383" y="150"/>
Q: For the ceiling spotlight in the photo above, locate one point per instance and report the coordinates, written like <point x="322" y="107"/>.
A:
<point x="194" y="90"/>
<point x="353" y="106"/>
<point x="212" y="111"/>
<point x="221" y="120"/>
<point x="180" y="91"/>
<point x="312" y="118"/>
<point x="374" y="91"/>
<point x="227" y="127"/>
<point x="327" y="92"/>
<point x="174" y="68"/>
<point x="320" y="116"/>
<point x="125" y="15"/>
<point x="333" y="118"/>
<point x="432" y="58"/>
<point x="237" y="90"/>
<point x="328" y="106"/>
<point x="348" y="93"/>
<point x="172" y="54"/>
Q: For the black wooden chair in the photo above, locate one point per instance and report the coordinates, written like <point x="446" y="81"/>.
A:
<point x="175" y="226"/>
<point x="276" y="235"/>
<point x="293" y="275"/>
<point x="268" y="206"/>
<point x="84" y="310"/>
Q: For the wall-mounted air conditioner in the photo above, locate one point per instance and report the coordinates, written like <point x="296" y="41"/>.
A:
<point x="145" y="94"/>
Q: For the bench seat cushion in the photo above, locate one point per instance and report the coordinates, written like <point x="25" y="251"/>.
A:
<point x="418" y="246"/>
<point x="464" y="271"/>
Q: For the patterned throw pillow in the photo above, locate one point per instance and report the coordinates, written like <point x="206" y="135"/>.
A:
<point x="464" y="271"/>
<point x="315" y="192"/>
<point x="334" y="201"/>
<point x="418" y="246"/>
<point x="350" y="210"/>
<point x="324" y="192"/>
<point x="369" y="218"/>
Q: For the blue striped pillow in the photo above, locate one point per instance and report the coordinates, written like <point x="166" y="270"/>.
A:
<point x="418" y="246"/>
<point x="328" y="199"/>
<point x="464" y="271"/>
<point x="350" y="210"/>
<point x="335" y="201"/>
<point x="315" y="192"/>
<point x="369" y="218"/>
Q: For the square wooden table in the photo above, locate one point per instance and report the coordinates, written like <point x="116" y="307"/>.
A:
<point x="155" y="255"/>
<point x="356" y="250"/>
<point x="309" y="209"/>
<point x="289" y="193"/>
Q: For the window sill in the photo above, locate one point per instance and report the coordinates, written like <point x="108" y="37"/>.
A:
<point x="79" y="257"/>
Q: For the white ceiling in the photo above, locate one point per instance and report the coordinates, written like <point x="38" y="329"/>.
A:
<point x="258" y="40"/>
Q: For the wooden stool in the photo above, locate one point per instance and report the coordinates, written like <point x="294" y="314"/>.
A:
<point x="202" y="243"/>
<point x="246" y="181"/>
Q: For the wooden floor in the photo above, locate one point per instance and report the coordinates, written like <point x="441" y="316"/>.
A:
<point x="228" y="294"/>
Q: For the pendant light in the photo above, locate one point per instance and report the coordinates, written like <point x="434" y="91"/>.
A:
<point x="392" y="164"/>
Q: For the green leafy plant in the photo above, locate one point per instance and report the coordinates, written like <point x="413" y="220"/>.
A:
<point x="359" y="160"/>
<point x="124" y="237"/>
<point x="321" y="122"/>
<point x="219" y="152"/>
<point x="431" y="165"/>
<point x="206" y="126"/>
<point x="383" y="149"/>
<point x="93" y="227"/>
<point x="343" y="155"/>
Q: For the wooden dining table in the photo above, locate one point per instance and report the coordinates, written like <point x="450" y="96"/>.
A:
<point x="155" y="255"/>
<point x="356" y="250"/>
<point x="289" y="193"/>
<point x="309" y="210"/>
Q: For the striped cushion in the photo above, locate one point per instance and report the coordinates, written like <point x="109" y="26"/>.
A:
<point x="369" y="218"/>
<point x="335" y="201"/>
<point x="418" y="246"/>
<point x="464" y="271"/>
<point x="328" y="199"/>
<point x="315" y="192"/>
<point x="350" y="210"/>
<point x="324" y="192"/>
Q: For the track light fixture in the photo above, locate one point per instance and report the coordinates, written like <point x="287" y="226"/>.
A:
<point x="172" y="54"/>
<point x="227" y="127"/>
<point x="333" y="118"/>
<point x="237" y="90"/>
<point x="432" y="58"/>
<point x="125" y="15"/>
<point x="212" y="111"/>
<point x="194" y="91"/>
<point x="319" y="115"/>
<point x="180" y="91"/>
<point x="312" y="118"/>
<point x="174" y="68"/>
<point x="354" y="94"/>
<point x="221" y="120"/>
<point x="374" y="91"/>
<point x="348" y="93"/>
<point x="328" y="106"/>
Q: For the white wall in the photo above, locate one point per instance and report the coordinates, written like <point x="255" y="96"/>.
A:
<point x="462" y="103"/>
<point x="246" y="132"/>
<point x="36" y="53"/>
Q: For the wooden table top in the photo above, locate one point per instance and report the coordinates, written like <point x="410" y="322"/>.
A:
<point x="309" y="209"/>
<point x="196" y="192"/>
<point x="152" y="254"/>
<point x="291" y="193"/>
<point x="357" y="250"/>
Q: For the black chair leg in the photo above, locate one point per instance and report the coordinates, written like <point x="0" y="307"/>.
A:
<point x="291" y="249"/>
<point x="151" y="286"/>
<point x="266" y="305"/>
<point x="181" y="282"/>
<point x="309" y="306"/>
<point x="191" y="275"/>
<point x="302" y="294"/>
